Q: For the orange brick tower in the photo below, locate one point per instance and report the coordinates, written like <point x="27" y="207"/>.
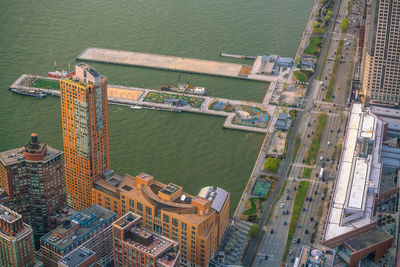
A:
<point x="85" y="133"/>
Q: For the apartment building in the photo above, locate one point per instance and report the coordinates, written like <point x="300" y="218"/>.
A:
<point x="197" y="223"/>
<point x="84" y="117"/>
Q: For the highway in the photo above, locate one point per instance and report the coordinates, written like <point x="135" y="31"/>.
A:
<point x="273" y="244"/>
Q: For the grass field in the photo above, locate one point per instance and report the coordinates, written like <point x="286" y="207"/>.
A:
<point x="314" y="46"/>
<point x="302" y="76"/>
<point x="297" y="206"/>
<point x="312" y="153"/>
<point x="297" y="142"/>
<point x="331" y="84"/>
<point x="306" y="173"/>
<point x="46" y="84"/>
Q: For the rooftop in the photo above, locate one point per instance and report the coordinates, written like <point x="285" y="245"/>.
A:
<point x="77" y="256"/>
<point x="142" y="239"/>
<point x="367" y="239"/>
<point x="358" y="178"/>
<point x="216" y="195"/>
<point x="80" y="225"/>
<point x="16" y="155"/>
<point x="317" y="256"/>
<point x="8" y="215"/>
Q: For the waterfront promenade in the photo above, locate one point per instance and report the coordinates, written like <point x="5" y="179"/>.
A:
<point x="134" y="96"/>
<point x="173" y="63"/>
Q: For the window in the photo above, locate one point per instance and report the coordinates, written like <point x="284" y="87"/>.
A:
<point x="166" y="218"/>
<point x="149" y="211"/>
<point x="140" y="206"/>
<point x="174" y="222"/>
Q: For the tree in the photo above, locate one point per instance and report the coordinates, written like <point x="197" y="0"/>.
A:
<point x="253" y="231"/>
<point x="345" y="24"/>
<point x="272" y="164"/>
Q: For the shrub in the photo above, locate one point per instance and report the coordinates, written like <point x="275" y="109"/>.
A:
<point x="254" y="230"/>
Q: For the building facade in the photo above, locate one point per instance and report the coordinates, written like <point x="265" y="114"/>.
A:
<point x="85" y="133"/>
<point x="137" y="246"/>
<point x="89" y="228"/>
<point x="197" y="223"/>
<point x="16" y="240"/>
<point x="32" y="178"/>
<point x="381" y="68"/>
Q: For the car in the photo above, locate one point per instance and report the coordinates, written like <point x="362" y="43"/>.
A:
<point x="306" y="198"/>
<point x="287" y="197"/>
<point x="310" y="199"/>
<point x="304" y="209"/>
<point x="285" y="223"/>
<point x="304" y="161"/>
<point x="312" y="219"/>
<point x="287" y="212"/>
<point x="275" y="216"/>
<point x="309" y="124"/>
<point x="331" y="131"/>
<point x="321" y="158"/>
<point x="293" y="259"/>
<point x="330" y="111"/>
<point x="333" y="96"/>
<point x="281" y="205"/>
<point x="323" y="165"/>
<point x="291" y="252"/>
<point x="299" y="226"/>
<point x="308" y="135"/>
<point x="272" y="231"/>
<point x="312" y="132"/>
<point x="298" y="241"/>
<point x="294" y="188"/>
<point x="316" y="192"/>
<point x="338" y="130"/>
<point x="306" y="232"/>
<point x="266" y="257"/>
<point x="287" y="190"/>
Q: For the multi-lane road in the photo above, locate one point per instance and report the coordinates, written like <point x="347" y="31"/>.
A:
<point x="272" y="246"/>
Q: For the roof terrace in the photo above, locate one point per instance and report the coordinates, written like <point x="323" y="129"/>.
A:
<point x="8" y="215"/>
<point x="80" y="225"/>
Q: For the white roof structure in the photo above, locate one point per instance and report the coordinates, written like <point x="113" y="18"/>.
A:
<point x="359" y="174"/>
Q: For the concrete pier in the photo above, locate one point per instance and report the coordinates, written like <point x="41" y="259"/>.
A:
<point x="172" y="63"/>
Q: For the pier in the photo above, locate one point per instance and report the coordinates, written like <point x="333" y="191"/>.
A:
<point x="134" y="96"/>
<point x="236" y="56"/>
<point x="174" y="63"/>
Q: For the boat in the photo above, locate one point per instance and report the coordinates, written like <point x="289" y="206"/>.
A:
<point x="60" y="74"/>
<point x="184" y="88"/>
<point x="136" y="107"/>
<point x="31" y="92"/>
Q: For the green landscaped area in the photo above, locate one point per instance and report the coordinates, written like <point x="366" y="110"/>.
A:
<point x="272" y="164"/>
<point x="297" y="142"/>
<point x="314" y="148"/>
<point x="302" y="75"/>
<point x="331" y="84"/>
<point x="155" y="97"/>
<point x="297" y="206"/>
<point x="314" y="46"/>
<point x="261" y="188"/>
<point x="306" y="173"/>
<point x="46" y="84"/>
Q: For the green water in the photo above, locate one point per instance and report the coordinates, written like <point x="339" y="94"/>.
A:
<point x="187" y="149"/>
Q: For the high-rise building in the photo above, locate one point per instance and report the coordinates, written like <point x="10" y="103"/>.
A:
<point x="197" y="223"/>
<point x="16" y="240"/>
<point x="32" y="178"/>
<point x="90" y="229"/>
<point x="85" y="133"/>
<point x="137" y="246"/>
<point x="381" y="68"/>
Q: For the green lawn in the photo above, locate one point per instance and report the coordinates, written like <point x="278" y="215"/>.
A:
<point x="312" y="153"/>
<point x="306" y="173"/>
<point x="46" y="84"/>
<point x="314" y="46"/>
<point x="331" y="84"/>
<point x="297" y="142"/>
<point x="297" y="206"/>
<point x="302" y="76"/>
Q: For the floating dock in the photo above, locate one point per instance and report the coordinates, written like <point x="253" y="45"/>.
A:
<point x="172" y="63"/>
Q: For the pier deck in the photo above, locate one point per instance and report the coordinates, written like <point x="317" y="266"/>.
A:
<point x="128" y="96"/>
<point x="173" y="63"/>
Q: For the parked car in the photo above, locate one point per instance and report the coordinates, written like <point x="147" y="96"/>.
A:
<point x="312" y="219"/>
<point x="298" y="241"/>
<point x="304" y="209"/>
<point x="287" y="197"/>
<point x="306" y="232"/>
<point x="285" y="223"/>
<point x="299" y="226"/>
<point x="272" y="231"/>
